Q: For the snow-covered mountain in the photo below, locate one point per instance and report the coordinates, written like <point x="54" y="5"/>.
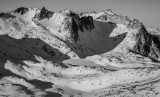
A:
<point x="69" y="54"/>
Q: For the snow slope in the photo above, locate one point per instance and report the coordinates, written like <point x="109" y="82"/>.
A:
<point x="54" y="54"/>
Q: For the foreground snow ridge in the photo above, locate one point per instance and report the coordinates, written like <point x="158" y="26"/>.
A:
<point x="67" y="54"/>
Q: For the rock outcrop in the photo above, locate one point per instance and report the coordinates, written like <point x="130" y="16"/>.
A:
<point x="21" y="10"/>
<point x="148" y="44"/>
<point x="44" y="13"/>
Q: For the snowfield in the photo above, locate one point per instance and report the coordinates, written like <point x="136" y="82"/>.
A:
<point x="66" y="54"/>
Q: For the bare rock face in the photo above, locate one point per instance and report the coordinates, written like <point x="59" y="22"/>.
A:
<point x="87" y="22"/>
<point x="148" y="44"/>
<point x="81" y="23"/>
<point x="44" y="13"/>
<point x="21" y="10"/>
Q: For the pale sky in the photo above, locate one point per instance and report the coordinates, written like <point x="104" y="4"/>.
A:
<point x="146" y="11"/>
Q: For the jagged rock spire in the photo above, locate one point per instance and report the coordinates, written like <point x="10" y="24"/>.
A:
<point x="44" y="13"/>
<point x="21" y="10"/>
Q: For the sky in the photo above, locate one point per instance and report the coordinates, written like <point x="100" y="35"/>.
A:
<point x="146" y="11"/>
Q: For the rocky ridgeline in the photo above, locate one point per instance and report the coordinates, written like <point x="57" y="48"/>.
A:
<point x="44" y="13"/>
<point x="109" y="16"/>
<point x="147" y="44"/>
<point x="21" y="10"/>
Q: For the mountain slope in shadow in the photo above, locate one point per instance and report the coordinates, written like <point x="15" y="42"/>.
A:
<point x="18" y="50"/>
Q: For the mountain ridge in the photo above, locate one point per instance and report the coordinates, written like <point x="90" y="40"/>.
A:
<point x="116" y="56"/>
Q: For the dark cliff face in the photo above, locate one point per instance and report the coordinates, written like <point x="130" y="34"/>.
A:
<point x="148" y="45"/>
<point x="21" y="10"/>
<point x="74" y="33"/>
<point x="144" y="42"/>
<point x="81" y="23"/>
<point x="44" y="13"/>
<point x="87" y="22"/>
